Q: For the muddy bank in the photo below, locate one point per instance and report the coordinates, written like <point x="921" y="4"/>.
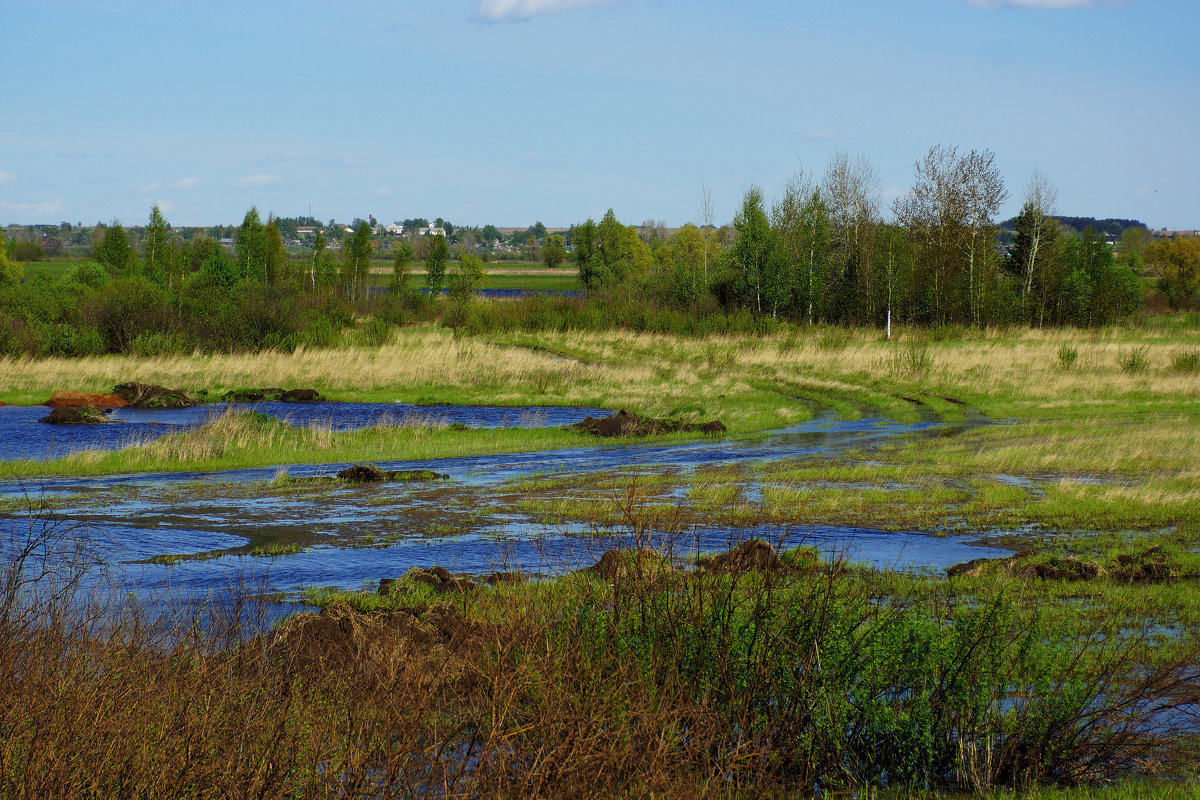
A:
<point x="76" y="415"/>
<point x="273" y="395"/>
<point x="367" y="473"/>
<point x="77" y="399"/>
<point x="1147" y="566"/>
<point x="149" y="395"/>
<point x="624" y="423"/>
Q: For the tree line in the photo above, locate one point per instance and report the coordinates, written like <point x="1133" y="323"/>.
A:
<point x="823" y="253"/>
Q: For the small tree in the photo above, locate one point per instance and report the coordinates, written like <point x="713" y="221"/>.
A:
<point x="114" y="252"/>
<point x="10" y="272"/>
<point x="156" y="248"/>
<point x="435" y="264"/>
<point x="554" y="253"/>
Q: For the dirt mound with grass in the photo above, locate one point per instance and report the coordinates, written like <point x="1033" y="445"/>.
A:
<point x="750" y="554"/>
<point x="1030" y="566"/>
<point x="340" y="638"/>
<point x="76" y="415"/>
<point x="148" y="395"/>
<point x="625" y="423"/>
<point x="368" y="473"/>
<point x="272" y="394"/>
<point x="620" y="564"/>
<point x="77" y="399"/>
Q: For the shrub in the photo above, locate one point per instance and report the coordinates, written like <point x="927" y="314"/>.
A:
<point x="1186" y="361"/>
<point x="1134" y="360"/>
<point x="1067" y="356"/>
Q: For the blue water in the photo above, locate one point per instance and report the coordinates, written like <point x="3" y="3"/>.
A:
<point x="155" y="514"/>
<point x="22" y="437"/>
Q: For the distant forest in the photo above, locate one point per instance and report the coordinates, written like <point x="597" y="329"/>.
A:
<point x="1105" y="227"/>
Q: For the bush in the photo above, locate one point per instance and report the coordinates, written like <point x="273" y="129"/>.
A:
<point x="1186" y="361"/>
<point x="1067" y="356"/>
<point x="1134" y="360"/>
<point x="71" y="341"/>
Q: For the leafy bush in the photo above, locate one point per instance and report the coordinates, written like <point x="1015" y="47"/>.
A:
<point x="1067" y="356"/>
<point x="1186" y="361"/>
<point x="1134" y="360"/>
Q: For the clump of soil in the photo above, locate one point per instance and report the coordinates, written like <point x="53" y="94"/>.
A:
<point x="750" y="554"/>
<point x="1030" y="566"/>
<point x="624" y="423"/>
<point x="367" y="473"/>
<point x="616" y="564"/>
<point x="441" y="580"/>
<point x="148" y="395"/>
<point x="76" y="415"/>
<point x="272" y="394"/>
<point x="76" y="399"/>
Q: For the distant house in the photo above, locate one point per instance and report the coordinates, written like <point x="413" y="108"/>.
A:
<point x="306" y="230"/>
<point x="395" y="229"/>
<point x="433" y="231"/>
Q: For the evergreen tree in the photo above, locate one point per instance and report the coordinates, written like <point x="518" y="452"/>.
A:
<point x="156" y="249"/>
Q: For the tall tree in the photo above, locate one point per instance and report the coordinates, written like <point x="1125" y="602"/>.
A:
<point x="754" y="256"/>
<point x="114" y="252"/>
<point x="1036" y="231"/>
<point x="982" y="188"/>
<point x="435" y="264"/>
<point x="251" y="246"/>
<point x="156" y="249"/>
<point x="402" y="256"/>
<point x="804" y="228"/>
<point x="318" y="252"/>
<point x="275" y="256"/>
<point x="850" y="190"/>
<point x="358" y="260"/>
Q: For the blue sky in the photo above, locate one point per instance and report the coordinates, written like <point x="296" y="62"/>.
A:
<point x="511" y="111"/>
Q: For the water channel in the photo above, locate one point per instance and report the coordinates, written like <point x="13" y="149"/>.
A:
<point x="351" y="536"/>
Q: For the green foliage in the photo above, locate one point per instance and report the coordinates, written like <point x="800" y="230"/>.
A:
<point x="554" y="253"/>
<point x="114" y="252"/>
<point x="10" y="272"/>
<point x="252" y="247"/>
<point x="357" y="261"/>
<point x="1176" y="262"/>
<point x="156" y="248"/>
<point x="1134" y="360"/>
<point x="1186" y="361"/>
<point x="1067" y="356"/>
<point x="28" y="251"/>
<point x="435" y="264"/>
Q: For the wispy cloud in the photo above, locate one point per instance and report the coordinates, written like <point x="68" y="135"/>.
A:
<point x="7" y="177"/>
<point x="519" y="10"/>
<point x="1045" y="5"/>
<point x="316" y="161"/>
<point x="186" y="183"/>
<point x="150" y="187"/>
<point x="257" y="180"/>
<point x="822" y="135"/>
<point x="44" y="208"/>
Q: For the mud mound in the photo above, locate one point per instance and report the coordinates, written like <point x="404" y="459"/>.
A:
<point x="440" y="579"/>
<point x="367" y="473"/>
<point x="76" y="399"/>
<point x="76" y="415"/>
<point x="1029" y="566"/>
<point x="616" y="564"/>
<point x="624" y="423"/>
<point x="363" y="473"/>
<point x="342" y="639"/>
<point x="148" y="395"/>
<point x="750" y="554"/>
<point x="273" y="394"/>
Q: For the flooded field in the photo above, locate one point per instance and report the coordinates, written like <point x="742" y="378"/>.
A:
<point x="292" y="527"/>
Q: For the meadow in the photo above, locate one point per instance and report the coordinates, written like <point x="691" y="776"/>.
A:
<point x="1070" y="671"/>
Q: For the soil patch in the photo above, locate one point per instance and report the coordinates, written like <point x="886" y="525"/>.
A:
<point x="76" y="415"/>
<point x="272" y="394"/>
<point x="148" y="395"/>
<point x="367" y="473"/>
<point x="76" y="399"/>
<point x="624" y="423"/>
<point x="1149" y="566"/>
<point x="750" y="554"/>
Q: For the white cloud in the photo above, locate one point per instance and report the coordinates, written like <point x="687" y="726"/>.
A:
<point x="1045" y="5"/>
<point x="257" y="180"/>
<point x="186" y="183"/>
<point x="383" y="191"/>
<point x="43" y="209"/>
<point x="822" y="135"/>
<point x="7" y="177"/>
<point x="150" y="187"/>
<point x="517" y="10"/>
